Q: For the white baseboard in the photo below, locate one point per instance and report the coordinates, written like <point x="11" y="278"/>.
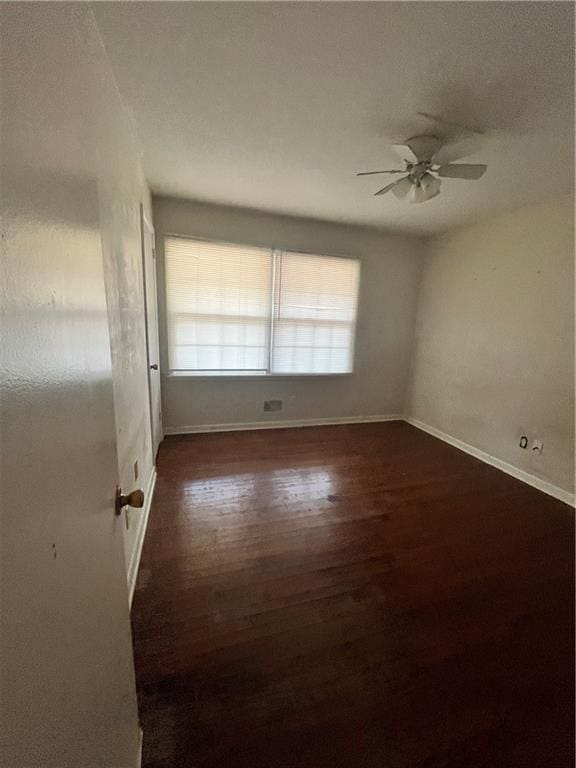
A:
<point x="139" y="764"/>
<point x="135" y="561"/>
<point x="510" y="469"/>
<point x="288" y="423"/>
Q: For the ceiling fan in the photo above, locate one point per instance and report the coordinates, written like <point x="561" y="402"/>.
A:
<point x="426" y="159"/>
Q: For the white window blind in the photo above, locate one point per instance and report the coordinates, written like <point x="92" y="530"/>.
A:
<point x="242" y="310"/>
<point x="314" y="314"/>
<point x="218" y="306"/>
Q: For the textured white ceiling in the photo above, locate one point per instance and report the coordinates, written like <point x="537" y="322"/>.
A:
<point x="277" y="105"/>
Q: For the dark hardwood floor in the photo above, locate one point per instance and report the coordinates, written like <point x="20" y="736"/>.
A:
<point x="352" y="597"/>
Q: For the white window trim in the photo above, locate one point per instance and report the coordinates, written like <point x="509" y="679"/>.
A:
<point x="252" y="375"/>
<point x="264" y="374"/>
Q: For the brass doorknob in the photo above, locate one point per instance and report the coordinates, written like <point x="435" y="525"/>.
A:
<point x="133" y="499"/>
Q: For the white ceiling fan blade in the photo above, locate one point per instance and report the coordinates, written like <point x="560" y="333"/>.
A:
<point x="402" y="187"/>
<point x="455" y="151"/>
<point x="424" y="147"/>
<point x="462" y="171"/>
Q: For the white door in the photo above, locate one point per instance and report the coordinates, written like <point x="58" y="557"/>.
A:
<point x="152" y="344"/>
<point x="67" y="692"/>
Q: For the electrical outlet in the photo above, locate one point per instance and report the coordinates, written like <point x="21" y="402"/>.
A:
<point x="523" y="442"/>
<point x="135" y="470"/>
<point x="273" y="405"/>
<point x="537" y="446"/>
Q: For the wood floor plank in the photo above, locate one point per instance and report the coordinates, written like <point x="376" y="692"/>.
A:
<point x="352" y="596"/>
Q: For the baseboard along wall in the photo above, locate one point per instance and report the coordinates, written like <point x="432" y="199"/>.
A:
<point x="285" y="424"/>
<point x="137" y="552"/>
<point x="510" y="469"/>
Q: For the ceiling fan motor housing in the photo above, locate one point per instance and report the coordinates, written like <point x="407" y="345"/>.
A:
<point x="418" y="170"/>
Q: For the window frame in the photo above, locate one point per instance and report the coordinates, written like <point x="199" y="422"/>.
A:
<point x="264" y="374"/>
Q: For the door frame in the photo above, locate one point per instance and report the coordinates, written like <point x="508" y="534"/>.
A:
<point x="146" y="224"/>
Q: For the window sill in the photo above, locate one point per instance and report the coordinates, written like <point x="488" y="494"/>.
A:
<point x="252" y="376"/>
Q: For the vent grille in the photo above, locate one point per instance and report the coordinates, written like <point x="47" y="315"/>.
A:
<point x="273" y="405"/>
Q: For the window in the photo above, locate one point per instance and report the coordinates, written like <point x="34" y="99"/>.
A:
<point x="240" y="310"/>
<point x="219" y="304"/>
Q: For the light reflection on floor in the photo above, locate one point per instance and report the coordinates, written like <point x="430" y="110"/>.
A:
<point x="214" y="512"/>
<point x="281" y="484"/>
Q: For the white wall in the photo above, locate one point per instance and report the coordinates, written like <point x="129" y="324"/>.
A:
<point x="494" y="349"/>
<point x="389" y="280"/>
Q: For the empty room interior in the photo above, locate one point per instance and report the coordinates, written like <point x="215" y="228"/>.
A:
<point x="287" y="433"/>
